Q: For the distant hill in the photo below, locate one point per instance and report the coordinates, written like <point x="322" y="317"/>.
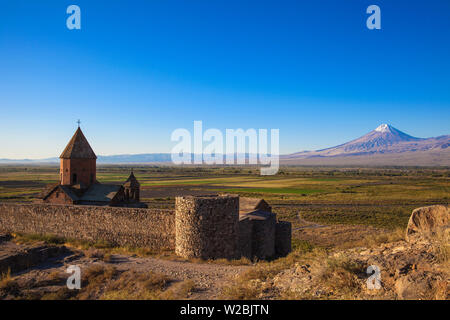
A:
<point x="385" y="145"/>
<point x="122" y="158"/>
<point x="135" y="158"/>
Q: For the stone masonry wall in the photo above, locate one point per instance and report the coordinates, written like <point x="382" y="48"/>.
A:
<point x="245" y="237"/>
<point x="152" y="228"/>
<point x="263" y="238"/>
<point x="207" y="227"/>
<point x="283" y="235"/>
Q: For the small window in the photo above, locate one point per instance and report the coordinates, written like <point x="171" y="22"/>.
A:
<point x="74" y="178"/>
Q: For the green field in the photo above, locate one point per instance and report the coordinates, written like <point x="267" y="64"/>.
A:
<point x="379" y="197"/>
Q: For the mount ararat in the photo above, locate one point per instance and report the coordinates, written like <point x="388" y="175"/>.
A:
<point x="385" y="145"/>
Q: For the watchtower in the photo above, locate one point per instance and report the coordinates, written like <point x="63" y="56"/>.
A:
<point x="207" y="227"/>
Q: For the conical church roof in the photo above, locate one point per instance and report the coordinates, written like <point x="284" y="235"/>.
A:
<point x="78" y="148"/>
<point x="131" y="181"/>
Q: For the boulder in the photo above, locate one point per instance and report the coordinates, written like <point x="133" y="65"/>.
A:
<point x="5" y="237"/>
<point x="425" y="223"/>
<point x="414" y="286"/>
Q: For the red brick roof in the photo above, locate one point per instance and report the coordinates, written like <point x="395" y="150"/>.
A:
<point x="78" y="148"/>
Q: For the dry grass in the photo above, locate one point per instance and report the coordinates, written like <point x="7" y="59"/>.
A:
<point x="441" y="290"/>
<point x="178" y="291"/>
<point x="441" y="247"/>
<point x="55" y="275"/>
<point x="94" y="253"/>
<point x="242" y="290"/>
<point x="256" y="282"/>
<point x="136" y="286"/>
<point x="101" y="282"/>
<point x="233" y="262"/>
<point x="60" y="294"/>
<point x="94" y="280"/>
<point x="93" y="249"/>
<point x="374" y="240"/>
<point x="171" y="256"/>
<point x="340" y="276"/>
<point x="107" y="257"/>
<point x="107" y="283"/>
<point x="21" y="238"/>
<point x="8" y="285"/>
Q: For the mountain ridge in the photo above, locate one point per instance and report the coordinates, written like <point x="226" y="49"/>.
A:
<point x="385" y="145"/>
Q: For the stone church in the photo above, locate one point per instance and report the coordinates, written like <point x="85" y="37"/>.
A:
<point x="78" y="183"/>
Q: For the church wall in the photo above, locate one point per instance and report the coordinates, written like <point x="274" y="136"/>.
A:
<point x="58" y="197"/>
<point x="83" y="168"/>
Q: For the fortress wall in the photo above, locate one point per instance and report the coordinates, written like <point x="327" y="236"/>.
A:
<point x="207" y="227"/>
<point x="134" y="227"/>
<point x="283" y="235"/>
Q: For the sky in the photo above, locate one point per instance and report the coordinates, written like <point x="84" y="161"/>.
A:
<point x="138" y="70"/>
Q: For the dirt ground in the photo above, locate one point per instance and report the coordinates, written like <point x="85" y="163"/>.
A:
<point x="208" y="278"/>
<point x="174" y="191"/>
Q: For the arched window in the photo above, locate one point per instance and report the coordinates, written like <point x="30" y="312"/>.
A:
<point x="74" y="178"/>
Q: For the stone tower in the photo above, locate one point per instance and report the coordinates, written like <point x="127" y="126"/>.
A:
<point x="132" y="187"/>
<point x="78" y="162"/>
<point x="207" y="227"/>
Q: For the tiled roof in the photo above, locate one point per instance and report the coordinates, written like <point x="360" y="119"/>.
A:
<point x="47" y="190"/>
<point x="66" y="189"/>
<point x="256" y="215"/>
<point x="131" y="181"/>
<point x="78" y="148"/>
<point x="249" y="204"/>
<point x="70" y="192"/>
<point x="101" y="192"/>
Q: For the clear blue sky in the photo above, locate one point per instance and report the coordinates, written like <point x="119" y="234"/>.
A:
<point x="137" y="70"/>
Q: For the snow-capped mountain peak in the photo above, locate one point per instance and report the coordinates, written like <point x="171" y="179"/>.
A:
<point x="383" y="128"/>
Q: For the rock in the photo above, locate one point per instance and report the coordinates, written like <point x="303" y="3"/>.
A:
<point x="398" y="249"/>
<point x="5" y="237"/>
<point x="426" y="222"/>
<point x="414" y="286"/>
<point x="16" y="258"/>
